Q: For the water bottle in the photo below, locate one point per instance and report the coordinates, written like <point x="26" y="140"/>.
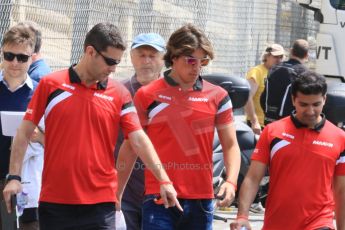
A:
<point x="22" y="201"/>
<point x="120" y="223"/>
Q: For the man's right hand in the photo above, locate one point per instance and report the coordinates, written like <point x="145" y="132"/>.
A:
<point x="12" y="187"/>
<point x="169" y="196"/>
<point x="240" y="224"/>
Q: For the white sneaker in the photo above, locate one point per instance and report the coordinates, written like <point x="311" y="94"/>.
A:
<point x="257" y="208"/>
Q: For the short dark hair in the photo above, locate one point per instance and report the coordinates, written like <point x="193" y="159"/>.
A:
<point x="103" y="35"/>
<point x="300" y="48"/>
<point x="184" y="41"/>
<point x="34" y="27"/>
<point x="19" y="34"/>
<point x="309" y="83"/>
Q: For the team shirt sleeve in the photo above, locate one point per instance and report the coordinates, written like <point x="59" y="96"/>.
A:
<point x="139" y="99"/>
<point x="224" y="112"/>
<point x="340" y="165"/>
<point x="36" y="107"/>
<point x="262" y="149"/>
<point x="129" y="120"/>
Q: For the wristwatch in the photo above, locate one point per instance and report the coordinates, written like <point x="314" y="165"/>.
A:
<point x="13" y="177"/>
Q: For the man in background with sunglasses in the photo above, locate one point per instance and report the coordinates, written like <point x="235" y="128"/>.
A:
<point x="83" y="110"/>
<point x="147" y="51"/>
<point x="16" y="90"/>
<point x="180" y="112"/>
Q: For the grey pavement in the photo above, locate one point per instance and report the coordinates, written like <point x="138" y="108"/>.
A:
<point x="256" y="220"/>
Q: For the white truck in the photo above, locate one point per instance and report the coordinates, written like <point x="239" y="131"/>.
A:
<point x="330" y="41"/>
<point x="330" y="53"/>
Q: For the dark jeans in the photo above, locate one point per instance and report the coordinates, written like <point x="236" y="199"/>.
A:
<point x="29" y="219"/>
<point x="76" y="217"/>
<point x="197" y="215"/>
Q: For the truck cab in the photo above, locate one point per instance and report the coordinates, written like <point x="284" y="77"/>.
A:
<point x="330" y="54"/>
<point x="330" y="51"/>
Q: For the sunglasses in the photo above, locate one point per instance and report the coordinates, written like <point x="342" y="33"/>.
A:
<point x="9" y="56"/>
<point x="279" y="57"/>
<point x="108" y="61"/>
<point x="194" y="61"/>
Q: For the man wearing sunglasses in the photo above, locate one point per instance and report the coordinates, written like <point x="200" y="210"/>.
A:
<point x="33" y="160"/>
<point x="180" y="112"/>
<point x="16" y="88"/>
<point x="147" y="52"/>
<point x="83" y="110"/>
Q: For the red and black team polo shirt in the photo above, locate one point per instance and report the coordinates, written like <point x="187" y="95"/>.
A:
<point x="181" y="126"/>
<point x="82" y="124"/>
<point x="302" y="164"/>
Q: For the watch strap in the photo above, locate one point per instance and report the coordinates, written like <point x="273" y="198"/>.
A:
<point x="10" y="177"/>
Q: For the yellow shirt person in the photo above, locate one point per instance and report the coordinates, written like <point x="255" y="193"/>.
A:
<point x="273" y="55"/>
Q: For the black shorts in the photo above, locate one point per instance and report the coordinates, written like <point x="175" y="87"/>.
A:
<point x="54" y="216"/>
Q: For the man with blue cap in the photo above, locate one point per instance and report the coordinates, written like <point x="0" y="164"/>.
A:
<point x="147" y="51"/>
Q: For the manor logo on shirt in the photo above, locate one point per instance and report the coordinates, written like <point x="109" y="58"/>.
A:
<point x="29" y="111"/>
<point x="68" y="86"/>
<point x="323" y="143"/>
<point x="164" y="97"/>
<point x="109" y="98"/>
<point x="198" y="99"/>
<point x="288" y="135"/>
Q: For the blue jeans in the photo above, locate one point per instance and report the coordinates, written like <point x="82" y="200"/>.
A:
<point x="197" y="215"/>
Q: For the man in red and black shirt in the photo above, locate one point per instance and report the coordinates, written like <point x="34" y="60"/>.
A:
<point x="305" y="154"/>
<point x="179" y="113"/>
<point x="83" y="110"/>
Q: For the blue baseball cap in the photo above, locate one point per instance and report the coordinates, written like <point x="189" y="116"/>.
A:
<point x="150" y="39"/>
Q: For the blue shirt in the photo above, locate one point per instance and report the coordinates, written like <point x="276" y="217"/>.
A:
<point x="17" y="100"/>
<point x="38" y="69"/>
